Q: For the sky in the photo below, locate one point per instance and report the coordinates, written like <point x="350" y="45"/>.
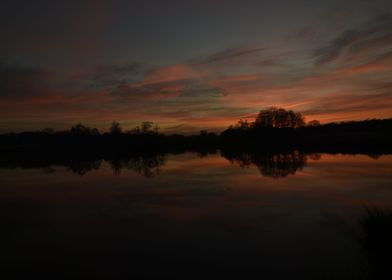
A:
<point x="192" y="65"/>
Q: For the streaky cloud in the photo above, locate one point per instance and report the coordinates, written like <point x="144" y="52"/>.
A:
<point x="356" y="39"/>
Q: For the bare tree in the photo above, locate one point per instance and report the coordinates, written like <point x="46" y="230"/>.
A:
<point x="81" y="129"/>
<point x="115" y="128"/>
<point x="314" y="123"/>
<point x="279" y="118"/>
<point x="147" y="126"/>
<point x="243" y="124"/>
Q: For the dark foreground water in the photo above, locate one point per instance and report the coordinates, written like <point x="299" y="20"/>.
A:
<point x="186" y="216"/>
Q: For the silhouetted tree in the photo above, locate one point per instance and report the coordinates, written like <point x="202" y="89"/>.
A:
<point x="243" y="124"/>
<point x="156" y="129"/>
<point x="314" y="123"/>
<point x="266" y="118"/>
<point x="81" y="129"/>
<point x="147" y="127"/>
<point x="299" y="120"/>
<point x="115" y="128"/>
<point x="135" y="130"/>
<point x="376" y="225"/>
<point x="279" y="118"/>
<point x="203" y="133"/>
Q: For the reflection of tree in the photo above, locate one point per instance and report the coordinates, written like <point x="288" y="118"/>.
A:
<point x="280" y="165"/>
<point x="49" y="170"/>
<point x="374" y="156"/>
<point x="148" y="166"/>
<point x="314" y="156"/>
<point x="272" y="165"/>
<point x="83" y="167"/>
<point x="376" y="225"/>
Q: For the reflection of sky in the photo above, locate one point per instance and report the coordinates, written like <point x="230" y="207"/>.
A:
<point x="192" y="64"/>
<point x="197" y="205"/>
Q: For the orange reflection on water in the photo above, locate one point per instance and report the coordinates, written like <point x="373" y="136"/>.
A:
<point x="195" y="208"/>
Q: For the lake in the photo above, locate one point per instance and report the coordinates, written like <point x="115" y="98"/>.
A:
<point x="191" y="216"/>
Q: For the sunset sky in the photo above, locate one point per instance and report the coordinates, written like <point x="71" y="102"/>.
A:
<point x="191" y="65"/>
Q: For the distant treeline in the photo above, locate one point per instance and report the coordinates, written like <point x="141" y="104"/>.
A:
<point x="85" y="143"/>
<point x="273" y="129"/>
<point x="278" y="129"/>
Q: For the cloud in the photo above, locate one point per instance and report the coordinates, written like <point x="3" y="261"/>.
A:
<point x="341" y="107"/>
<point x="107" y="75"/>
<point x="231" y="54"/>
<point x="334" y="49"/>
<point x="62" y="34"/>
<point x="373" y="34"/>
<point x="175" y="72"/>
<point x="211" y="92"/>
<point x="370" y="45"/>
<point x="19" y="81"/>
<point x="200" y="78"/>
<point x="167" y="82"/>
<point x="154" y="91"/>
<point x="190" y="95"/>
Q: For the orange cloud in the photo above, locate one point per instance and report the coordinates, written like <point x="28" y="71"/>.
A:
<point x="170" y="73"/>
<point x="215" y="92"/>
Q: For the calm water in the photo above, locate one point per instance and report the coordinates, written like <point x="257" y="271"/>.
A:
<point x="190" y="216"/>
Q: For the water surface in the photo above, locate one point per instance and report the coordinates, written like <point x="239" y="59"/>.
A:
<point x="190" y="216"/>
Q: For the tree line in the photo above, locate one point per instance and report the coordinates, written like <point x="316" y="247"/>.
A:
<point x="272" y="129"/>
<point x="274" y="117"/>
<point x="115" y="128"/>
